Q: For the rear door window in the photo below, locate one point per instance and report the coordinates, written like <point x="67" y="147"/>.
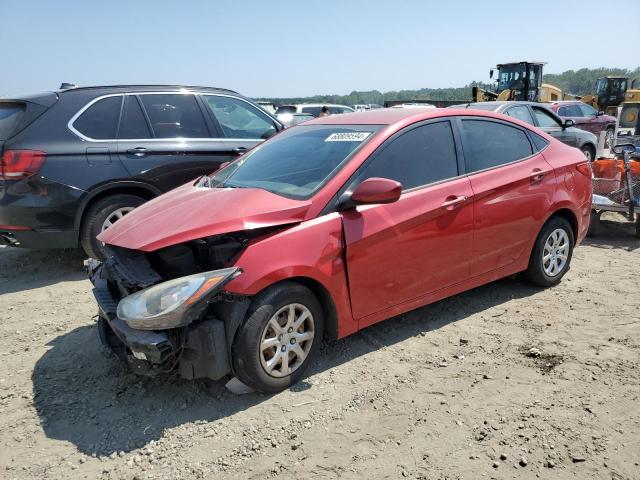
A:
<point x="490" y="144"/>
<point x="239" y="119"/>
<point x="133" y="124"/>
<point x="100" y="120"/>
<point x="521" y="112"/>
<point x="174" y="115"/>
<point x="10" y="116"/>
<point x="423" y="155"/>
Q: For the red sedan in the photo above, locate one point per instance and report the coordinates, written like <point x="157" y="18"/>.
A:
<point x="332" y="226"/>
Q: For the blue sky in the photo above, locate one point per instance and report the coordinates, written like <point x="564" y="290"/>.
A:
<point x="295" y="48"/>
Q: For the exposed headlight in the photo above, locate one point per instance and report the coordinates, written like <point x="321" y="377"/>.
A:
<point x="168" y="304"/>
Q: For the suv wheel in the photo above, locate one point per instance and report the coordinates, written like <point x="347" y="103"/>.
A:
<point x="279" y="339"/>
<point x="100" y="216"/>
<point x="551" y="253"/>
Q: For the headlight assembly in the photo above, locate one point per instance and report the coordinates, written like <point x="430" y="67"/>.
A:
<point x="167" y="304"/>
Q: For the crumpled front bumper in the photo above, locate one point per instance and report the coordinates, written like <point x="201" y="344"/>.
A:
<point x="154" y="347"/>
<point x="199" y="350"/>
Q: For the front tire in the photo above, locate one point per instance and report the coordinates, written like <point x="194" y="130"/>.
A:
<point x="608" y="138"/>
<point x="552" y="252"/>
<point x="100" y="216"/>
<point x="279" y="339"/>
<point x="589" y="152"/>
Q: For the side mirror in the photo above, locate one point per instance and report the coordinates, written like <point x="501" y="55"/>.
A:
<point x="568" y="123"/>
<point x="600" y="113"/>
<point x="624" y="148"/>
<point x="373" y="191"/>
<point x="491" y="73"/>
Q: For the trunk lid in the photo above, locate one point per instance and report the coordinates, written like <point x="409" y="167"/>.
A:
<point x="190" y="212"/>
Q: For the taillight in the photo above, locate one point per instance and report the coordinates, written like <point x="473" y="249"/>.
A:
<point x="19" y="164"/>
<point x="585" y="169"/>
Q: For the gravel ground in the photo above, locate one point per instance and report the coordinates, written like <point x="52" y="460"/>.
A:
<point x="505" y="381"/>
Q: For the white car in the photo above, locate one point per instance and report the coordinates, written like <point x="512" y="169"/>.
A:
<point x="284" y="112"/>
<point x="414" y="105"/>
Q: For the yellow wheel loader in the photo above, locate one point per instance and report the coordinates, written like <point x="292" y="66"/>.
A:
<point x="519" y="81"/>
<point x="611" y="92"/>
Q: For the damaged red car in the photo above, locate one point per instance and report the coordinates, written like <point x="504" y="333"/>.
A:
<point x="329" y="227"/>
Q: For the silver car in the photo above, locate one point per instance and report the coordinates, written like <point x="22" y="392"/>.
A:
<point x="539" y="115"/>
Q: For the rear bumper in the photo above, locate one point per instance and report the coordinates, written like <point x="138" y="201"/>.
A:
<point x="198" y="350"/>
<point x="45" y="212"/>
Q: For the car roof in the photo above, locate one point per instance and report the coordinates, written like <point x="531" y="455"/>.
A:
<point x="395" y="116"/>
<point x="150" y="88"/>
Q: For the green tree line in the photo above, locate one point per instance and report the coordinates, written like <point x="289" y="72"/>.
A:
<point x="578" y="82"/>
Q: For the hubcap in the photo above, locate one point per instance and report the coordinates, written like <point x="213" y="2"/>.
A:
<point x="114" y="217"/>
<point x="587" y="153"/>
<point x="555" y="252"/>
<point x="286" y="340"/>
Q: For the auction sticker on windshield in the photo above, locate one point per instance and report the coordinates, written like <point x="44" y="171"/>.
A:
<point x="347" y="137"/>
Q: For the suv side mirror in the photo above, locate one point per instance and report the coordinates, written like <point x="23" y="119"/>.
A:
<point x="568" y="123"/>
<point x="373" y="191"/>
<point x="600" y="113"/>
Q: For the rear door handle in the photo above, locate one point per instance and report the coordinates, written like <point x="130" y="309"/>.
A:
<point x="138" y="151"/>
<point x="537" y="175"/>
<point x="239" y="150"/>
<point x="452" y="201"/>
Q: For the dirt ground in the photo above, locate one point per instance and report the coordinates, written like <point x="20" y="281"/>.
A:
<point x="450" y="391"/>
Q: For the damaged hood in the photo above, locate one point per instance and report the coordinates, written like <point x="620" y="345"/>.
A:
<point x="190" y="212"/>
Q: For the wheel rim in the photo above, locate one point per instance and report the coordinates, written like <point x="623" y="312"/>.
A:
<point x="114" y="216"/>
<point x="286" y="340"/>
<point x="587" y="153"/>
<point x="608" y="138"/>
<point x="555" y="253"/>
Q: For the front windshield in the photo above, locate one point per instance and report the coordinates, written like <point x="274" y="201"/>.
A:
<point x="297" y="162"/>
<point x="511" y="77"/>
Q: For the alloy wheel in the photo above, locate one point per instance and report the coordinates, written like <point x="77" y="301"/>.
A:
<point x="115" y="216"/>
<point x="286" y="340"/>
<point x="555" y="252"/>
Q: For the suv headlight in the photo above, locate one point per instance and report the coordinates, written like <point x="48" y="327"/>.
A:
<point x="168" y="304"/>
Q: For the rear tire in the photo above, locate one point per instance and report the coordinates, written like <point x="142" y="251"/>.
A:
<point x="551" y="254"/>
<point x="104" y="210"/>
<point x="595" y="226"/>
<point x="259" y="364"/>
<point x="589" y="152"/>
<point x="638" y="225"/>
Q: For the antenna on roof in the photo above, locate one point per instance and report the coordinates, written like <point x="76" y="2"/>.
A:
<point x="67" y="85"/>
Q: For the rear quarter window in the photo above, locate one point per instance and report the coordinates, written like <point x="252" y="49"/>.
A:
<point x="538" y="142"/>
<point x="100" y="120"/>
<point x="490" y="144"/>
<point x="10" y="116"/>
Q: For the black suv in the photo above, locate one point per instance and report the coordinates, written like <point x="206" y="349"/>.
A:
<point x="76" y="160"/>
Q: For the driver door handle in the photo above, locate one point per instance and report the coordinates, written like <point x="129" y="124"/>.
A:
<point x="139" y="151"/>
<point x="239" y="150"/>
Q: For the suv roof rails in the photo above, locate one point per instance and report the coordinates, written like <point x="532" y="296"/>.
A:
<point x="67" y="86"/>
